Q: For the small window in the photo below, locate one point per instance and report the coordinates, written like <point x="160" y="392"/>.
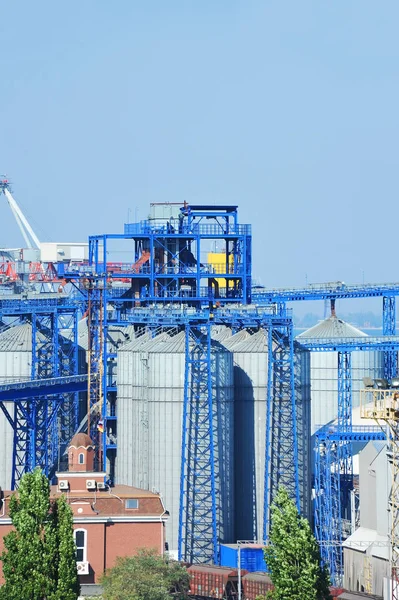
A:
<point x="80" y="536"/>
<point x="81" y="458"/>
<point x="132" y="503"/>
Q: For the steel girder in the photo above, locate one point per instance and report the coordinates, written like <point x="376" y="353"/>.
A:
<point x="43" y="425"/>
<point x="97" y="367"/>
<point x="334" y="475"/>
<point x="389" y="329"/>
<point x="281" y="460"/>
<point x="198" y="522"/>
<point x="328" y="490"/>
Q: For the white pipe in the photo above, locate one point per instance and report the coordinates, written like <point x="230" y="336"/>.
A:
<point x="21" y="227"/>
<point x="21" y="215"/>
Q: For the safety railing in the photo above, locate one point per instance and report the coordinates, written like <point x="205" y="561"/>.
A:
<point x="154" y="227"/>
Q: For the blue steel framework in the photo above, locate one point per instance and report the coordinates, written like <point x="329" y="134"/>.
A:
<point x="198" y="527"/>
<point x="327" y="513"/>
<point x="333" y="454"/>
<point x="334" y="481"/>
<point x="43" y="424"/>
<point x="166" y="265"/>
<point x="170" y="285"/>
<point x="281" y="460"/>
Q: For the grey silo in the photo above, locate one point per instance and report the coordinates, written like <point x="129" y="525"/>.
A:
<point x="15" y="365"/>
<point x="250" y="392"/>
<point x="250" y="356"/>
<point x="324" y="370"/>
<point x="150" y="410"/>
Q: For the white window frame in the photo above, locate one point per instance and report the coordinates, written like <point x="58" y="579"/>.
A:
<point x="131" y="508"/>
<point x="84" y="547"/>
<point x="81" y="462"/>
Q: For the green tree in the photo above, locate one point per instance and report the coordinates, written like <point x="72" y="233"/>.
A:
<point x="63" y="549"/>
<point x="145" y="576"/>
<point x="26" y="560"/>
<point x="293" y="556"/>
<point x="39" y="547"/>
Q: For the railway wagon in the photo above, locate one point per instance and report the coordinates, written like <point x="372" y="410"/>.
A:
<point x="256" y="584"/>
<point x="209" y="581"/>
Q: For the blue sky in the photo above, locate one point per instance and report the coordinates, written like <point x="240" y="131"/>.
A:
<point x="287" y="108"/>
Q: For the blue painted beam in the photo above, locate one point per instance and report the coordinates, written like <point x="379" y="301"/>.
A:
<point x="357" y="433"/>
<point x="382" y="343"/>
<point x="326" y="292"/>
<point x="42" y="387"/>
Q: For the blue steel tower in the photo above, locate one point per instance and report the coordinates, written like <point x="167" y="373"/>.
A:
<point x="168" y="278"/>
<point x="43" y="411"/>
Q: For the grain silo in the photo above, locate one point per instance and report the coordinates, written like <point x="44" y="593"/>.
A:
<point x="324" y="369"/>
<point x="250" y="355"/>
<point x="150" y="409"/>
<point x="15" y="365"/>
<point x="250" y="393"/>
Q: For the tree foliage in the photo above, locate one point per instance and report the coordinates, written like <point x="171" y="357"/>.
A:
<point x="40" y="546"/>
<point x="293" y="556"/>
<point x="63" y="549"/>
<point x="145" y="576"/>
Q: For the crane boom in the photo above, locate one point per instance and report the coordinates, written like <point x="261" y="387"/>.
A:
<point x="22" y="219"/>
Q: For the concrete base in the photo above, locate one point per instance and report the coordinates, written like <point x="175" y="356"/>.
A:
<point x="89" y="590"/>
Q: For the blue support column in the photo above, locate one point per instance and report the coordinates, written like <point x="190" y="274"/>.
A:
<point x="43" y="425"/>
<point x="96" y="406"/>
<point x="389" y="328"/>
<point x="281" y="461"/>
<point x="334" y="476"/>
<point x="198" y="528"/>
<point x="327" y="522"/>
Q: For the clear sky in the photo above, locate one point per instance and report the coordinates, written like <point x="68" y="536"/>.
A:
<point x="289" y="109"/>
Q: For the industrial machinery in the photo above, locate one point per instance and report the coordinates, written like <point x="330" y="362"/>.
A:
<point x="187" y="268"/>
<point x="166" y="283"/>
<point x="381" y="402"/>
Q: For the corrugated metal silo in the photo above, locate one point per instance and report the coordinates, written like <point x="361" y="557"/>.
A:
<point x="250" y="355"/>
<point x="324" y="370"/>
<point x="15" y="365"/>
<point x="150" y="409"/>
<point x="250" y="393"/>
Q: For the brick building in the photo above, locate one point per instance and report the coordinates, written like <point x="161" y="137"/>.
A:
<point x="108" y="521"/>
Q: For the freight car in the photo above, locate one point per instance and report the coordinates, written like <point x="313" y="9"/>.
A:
<point x="256" y="584"/>
<point x="208" y="581"/>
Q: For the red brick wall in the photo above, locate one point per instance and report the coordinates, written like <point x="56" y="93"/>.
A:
<point x="124" y="539"/>
<point x="4" y="529"/>
<point x="95" y="550"/>
<point x="106" y="541"/>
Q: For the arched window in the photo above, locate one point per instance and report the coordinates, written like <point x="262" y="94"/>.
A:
<point x="81" y="458"/>
<point x="80" y="536"/>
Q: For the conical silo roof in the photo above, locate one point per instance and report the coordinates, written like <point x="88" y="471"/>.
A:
<point x="116" y="336"/>
<point x="18" y="338"/>
<point x="221" y="333"/>
<point x="235" y="339"/>
<point x="169" y="344"/>
<point x="333" y="327"/>
<point x="256" y="342"/>
<point x="136" y="343"/>
<point x="153" y="344"/>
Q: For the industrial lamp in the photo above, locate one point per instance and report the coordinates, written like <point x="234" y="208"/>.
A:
<point x="395" y="383"/>
<point x="368" y="382"/>
<point x="382" y="384"/>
